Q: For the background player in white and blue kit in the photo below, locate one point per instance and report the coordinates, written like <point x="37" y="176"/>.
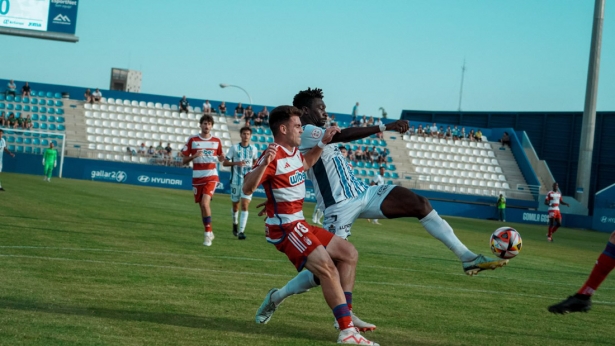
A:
<point x="240" y="158"/>
<point x="3" y="148"/>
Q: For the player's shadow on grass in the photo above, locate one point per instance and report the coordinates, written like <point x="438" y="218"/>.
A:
<point x="173" y="319"/>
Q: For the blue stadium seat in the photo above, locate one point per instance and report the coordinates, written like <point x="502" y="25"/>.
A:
<point x="34" y="117"/>
<point x="254" y="138"/>
<point x="43" y="110"/>
<point x="59" y="103"/>
<point x="355" y="171"/>
<point x="17" y="98"/>
<point x="360" y="164"/>
<point x="55" y="143"/>
<point x="34" y="108"/>
<point x="41" y="102"/>
<point x="51" y="119"/>
<point x="19" y="148"/>
<point x="44" y="136"/>
<point x="18" y="107"/>
<point x="363" y="172"/>
<point x="52" y="127"/>
<point x="370" y="173"/>
<point x="51" y="110"/>
<point x="383" y="143"/>
<point x="26" y="108"/>
<point x="2" y="97"/>
<point x="389" y="159"/>
<point x="50" y="103"/>
<point x="12" y="148"/>
<point x="395" y="175"/>
<point x="60" y="120"/>
<point x="368" y="165"/>
<point x="36" y="141"/>
<point x="37" y="151"/>
<point x="57" y="95"/>
<point x="259" y="131"/>
<point x="44" y="126"/>
<point x="26" y="99"/>
<point x="28" y="150"/>
<point x="366" y="180"/>
<point x="43" y="117"/>
<point x="390" y="182"/>
<point x="264" y="146"/>
<point x="35" y="125"/>
<point x="360" y="141"/>
<point x="61" y="127"/>
<point x="59" y="111"/>
<point x="19" y="140"/>
<point x="36" y="135"/>
<point x="40" y="93"/>
<point x="44" y="142"/>
<point x="34" y="101"/>
<point x="11" y="139"/>
<point x="2" y="105"/>
<point x="27" y="134"/>
<point x="391" y="167"/>
<point x="269" y="139"/>
<point x="10" y="98"/>
<point x="387" y="175"/>
<point x="10" y="106"/>
<point x="49" y="94"/>
<point x="268" y="132"/>
<point x="355" y="147"/>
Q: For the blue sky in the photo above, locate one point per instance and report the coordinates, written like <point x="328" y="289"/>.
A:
<point x="520" y="55"/>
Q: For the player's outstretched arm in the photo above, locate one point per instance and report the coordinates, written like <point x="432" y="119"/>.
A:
<point x="253" y="178"/>
<point x="353" y="133"/>
<point x="311" y="157"/>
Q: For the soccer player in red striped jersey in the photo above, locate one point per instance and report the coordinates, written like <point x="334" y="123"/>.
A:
<point x="281" y="171"/>
<point x="553" y="200"/>
<point x="204" y="151"/>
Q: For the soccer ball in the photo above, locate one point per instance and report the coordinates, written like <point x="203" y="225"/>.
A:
<point x="505" y="242"/>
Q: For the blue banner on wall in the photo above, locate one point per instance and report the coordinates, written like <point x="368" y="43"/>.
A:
<point x="604" y="210"/>
<point x="136" y="177"/>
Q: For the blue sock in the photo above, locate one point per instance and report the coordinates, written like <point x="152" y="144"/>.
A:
<point x="207" y="223"/>
<point x="348" y="299"/>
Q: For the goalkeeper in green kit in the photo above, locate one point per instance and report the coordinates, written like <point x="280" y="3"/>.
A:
<point x="50" y="156"/>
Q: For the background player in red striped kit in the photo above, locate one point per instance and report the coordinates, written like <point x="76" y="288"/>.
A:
<point x="204" y="151"/>
<point x="553" y="200"/>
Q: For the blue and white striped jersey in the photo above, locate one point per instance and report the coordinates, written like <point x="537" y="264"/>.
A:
<point x="332" y="175"/>
<point x="238" y="153"/>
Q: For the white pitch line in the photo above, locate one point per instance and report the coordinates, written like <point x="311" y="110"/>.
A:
<point x="283" y="261"/>
<point x="499" y="293"/>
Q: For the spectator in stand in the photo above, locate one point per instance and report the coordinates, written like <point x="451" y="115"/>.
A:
<point x="264" y="116"/>
<point x="462" y="134"/>
<point x="411" y="131"/>
<point x="441" y="132"/>
<point x="374" y="155"/>
<point x="129" y="151"/>
<point x="206" y="107"/>
<point x="25" y="90"/>
<point x="351" y="156"/>
<point x="20" y="121"/>
<point x="364" y="121"/>
<point x="358" y="154"/>
<point x="3" y="119"/>
<point x="427" y="130"/>
<point x="471" y="136"/>
<point x="378" y="122"/>
<point x="168" y="153"/>
<point x="27" y="123"/>
<point x="248" y="116"/>
<point x="370" y="122"/>
<point x="11" y="88"/>
<point x="478" y="136"/>
<point x="332" y="120"/>
<point x="383" y="156"/>
<point x="222" y="108"/>
<point x="151" y="151"/>
<point x="505" y="140"/>
<point x="420" y="131"/>
<point x="449" y="133"/>
<point x="455" y="133"/>
<point x="87" y="96"/>
<point x="11" y="121"/>
<point x="433" y="130"/>
<point x="160" y="149"/>
<point x="96" y="96"/>
<point x="355" y="110"/>
<point x="238" y="113"/>
<point x="142" y="149"/>
<point x="183" y="105"/>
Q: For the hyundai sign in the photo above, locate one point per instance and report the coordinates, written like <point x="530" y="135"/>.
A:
<point x="51" y="19"/>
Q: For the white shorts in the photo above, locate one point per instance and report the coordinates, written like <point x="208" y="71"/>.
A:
<point x="340" y="217"/>
<point x="237" y="193"/>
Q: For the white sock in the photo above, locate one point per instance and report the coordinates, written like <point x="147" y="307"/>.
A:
<point x="235" y="214"/>
<point x="243" y="220"/>
<point x="297" y="285"/>
<point x="441" y="230"/>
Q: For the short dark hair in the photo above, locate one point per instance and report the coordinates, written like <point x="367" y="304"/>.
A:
<point x="245" y="128"/>
<point x="280" y="115"/>
<point x="305" y="97"/>
<point x="208" y="118"/>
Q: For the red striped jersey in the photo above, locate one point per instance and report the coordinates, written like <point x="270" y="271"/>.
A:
<point x="553" y="197"/>
<point x="284" y="183"/>
<point x="204" y="168"/>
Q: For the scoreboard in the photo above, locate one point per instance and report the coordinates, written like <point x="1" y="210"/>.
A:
<point x="18" y="17"/>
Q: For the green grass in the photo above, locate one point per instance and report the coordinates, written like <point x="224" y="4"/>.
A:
<point x="92" y="263"/>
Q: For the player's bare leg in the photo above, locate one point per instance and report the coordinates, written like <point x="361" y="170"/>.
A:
<point x="401" y="202"/>
<point x="206" y="215"/>
<point x="235" y="214"/>
<point x="554" y="224"/>
<point x="319" y="262"/>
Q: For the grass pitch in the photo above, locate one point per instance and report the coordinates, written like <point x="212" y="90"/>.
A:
<point x="89" y="263"/>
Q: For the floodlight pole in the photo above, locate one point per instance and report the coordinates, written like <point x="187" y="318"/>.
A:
<point x="224" y="85"/>
<point x="586" y="147"/>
